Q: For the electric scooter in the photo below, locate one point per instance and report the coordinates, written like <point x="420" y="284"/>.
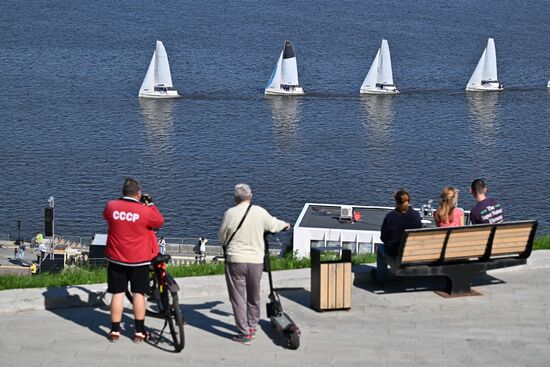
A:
<point x="280" y="319"/>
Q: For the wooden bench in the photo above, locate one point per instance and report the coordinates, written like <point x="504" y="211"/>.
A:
<point x="459" y="253"/>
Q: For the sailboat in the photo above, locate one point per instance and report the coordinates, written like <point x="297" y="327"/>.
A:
<point x="284" y="79"/>
<point x="485" y="77"/>
<point x="158" y="81"/>
<point x="379" y="79"/>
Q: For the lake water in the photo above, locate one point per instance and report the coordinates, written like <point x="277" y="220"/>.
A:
<point x="73" y="127"/>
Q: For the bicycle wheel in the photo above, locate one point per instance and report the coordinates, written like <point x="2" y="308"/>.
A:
<point x="175" y="320"/>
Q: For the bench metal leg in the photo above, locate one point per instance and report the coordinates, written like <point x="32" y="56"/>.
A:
<point x="459" y="278"/>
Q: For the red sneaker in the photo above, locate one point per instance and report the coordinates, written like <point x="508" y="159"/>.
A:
<point x="139" y="337"/>
<point x="113" y="336"/>
<point x="243" y="339"/>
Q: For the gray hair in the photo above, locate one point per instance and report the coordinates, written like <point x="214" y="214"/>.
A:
<point x="242" y="192"/>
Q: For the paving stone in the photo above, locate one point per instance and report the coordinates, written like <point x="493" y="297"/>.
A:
<point x="508" y="326"/>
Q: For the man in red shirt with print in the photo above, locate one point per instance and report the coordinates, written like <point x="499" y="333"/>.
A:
<point x="131" y="245"/>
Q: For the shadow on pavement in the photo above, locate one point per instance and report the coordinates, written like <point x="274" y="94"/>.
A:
<point x="86" y="315"/>
<point x="363" y="280"/>
<point x="159" y="338"/>
<point x="298" y="295"/>
<point x="269" y="330"/>
<point x="192" y="316"/>
<point x="200" y="320"/>
<point x="20" y="262"/>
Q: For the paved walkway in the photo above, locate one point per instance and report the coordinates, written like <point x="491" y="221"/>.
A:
<point x="9" y="264"/>
<point x="405" y="324"/>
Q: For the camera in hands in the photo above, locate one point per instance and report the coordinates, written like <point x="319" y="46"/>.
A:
<point x="146" y="199"/>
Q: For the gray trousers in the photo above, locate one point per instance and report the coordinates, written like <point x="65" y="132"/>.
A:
<point x="243" y="285"/>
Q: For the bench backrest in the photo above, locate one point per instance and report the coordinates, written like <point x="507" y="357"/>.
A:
<point x="511" y="239"/>
<point x="467" y="242"/>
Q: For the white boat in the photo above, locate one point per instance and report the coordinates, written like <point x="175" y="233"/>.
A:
<point x="379" y="79"/>
<point x="548" y="85"/>
<point x="158" y="80"/>
<point x="284" y="79"/>
<point x="485" y="77"/>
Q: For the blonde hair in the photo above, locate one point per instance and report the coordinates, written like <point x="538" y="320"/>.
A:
<point x="447" y="205"/>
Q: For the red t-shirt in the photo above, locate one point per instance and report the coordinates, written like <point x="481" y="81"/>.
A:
<point x="131" y="239"/>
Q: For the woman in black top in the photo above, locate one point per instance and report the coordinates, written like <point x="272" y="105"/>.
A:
<point x="395" y="223"/>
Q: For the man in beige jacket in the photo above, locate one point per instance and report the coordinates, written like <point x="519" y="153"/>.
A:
<point x="244" y="248"/>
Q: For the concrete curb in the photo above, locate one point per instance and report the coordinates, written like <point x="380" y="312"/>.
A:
<point x="18" y="300"/>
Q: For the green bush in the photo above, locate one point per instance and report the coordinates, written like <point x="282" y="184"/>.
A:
<point x="194" y="270"/>
<point x="542" y="243"/>
<point x="70" y="276"/>
<point x="363" y="259"/>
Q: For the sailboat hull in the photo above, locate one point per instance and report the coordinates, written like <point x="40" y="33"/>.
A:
<point x="296" y="91"/>
<point x="160" y="95"/>
<point x="379" y="91"/>
<point x="485" y="88"/>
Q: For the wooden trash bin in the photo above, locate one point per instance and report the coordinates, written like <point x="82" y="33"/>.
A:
<point x="330" y="279"/>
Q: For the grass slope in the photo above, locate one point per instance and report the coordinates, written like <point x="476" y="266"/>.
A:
<point x="74" y="276"/>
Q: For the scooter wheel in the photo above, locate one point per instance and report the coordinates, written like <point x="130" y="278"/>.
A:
<point x="293" y="339"/>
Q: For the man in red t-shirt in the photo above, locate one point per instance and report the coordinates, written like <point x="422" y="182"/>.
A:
<point x="131" y="245"/>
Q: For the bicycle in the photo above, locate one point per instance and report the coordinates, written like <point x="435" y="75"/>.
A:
<point x="162" y="299"/>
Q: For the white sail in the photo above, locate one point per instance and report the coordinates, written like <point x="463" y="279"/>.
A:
<point x="289" y="75"/>
<point x="485" y="75"/>
<point x="385" y="75"/>
<point x="289" y="72"/>
<point x="477" y="76"/>
<point x="275" y="80"/>
<point x="162" y="67"/>
<point x="379" y="79"/>
<point x="490" y="67"/>
<point x="148" y="84"/>
<point x="284" y="79"/>
<point x="372" y="76"/>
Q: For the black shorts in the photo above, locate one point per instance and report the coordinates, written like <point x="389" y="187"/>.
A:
<point x="118" y="277"/>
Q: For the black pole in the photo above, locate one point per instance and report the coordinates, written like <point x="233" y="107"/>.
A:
<point x="19" y="230"/>
<point x="267" y="262"/>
